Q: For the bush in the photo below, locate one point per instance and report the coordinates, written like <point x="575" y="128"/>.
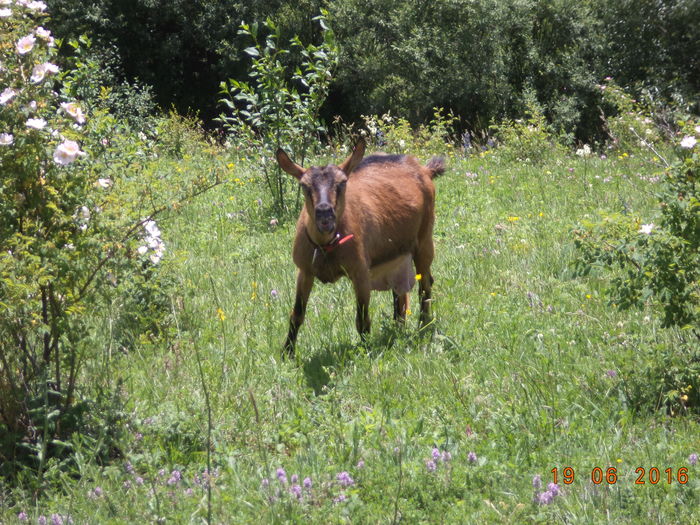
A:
<point x="659" y="260"/>
<point x="271" y="112"/>
<point x="77" y="217"/>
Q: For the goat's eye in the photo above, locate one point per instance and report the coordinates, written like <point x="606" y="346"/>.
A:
<point x="341" y="188"/>
<point x="306" y="190"/>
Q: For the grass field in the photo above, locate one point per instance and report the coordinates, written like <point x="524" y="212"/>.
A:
<point x="527" y="369"/>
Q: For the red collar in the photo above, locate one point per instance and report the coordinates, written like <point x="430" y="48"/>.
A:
<point x="336" y="241"/>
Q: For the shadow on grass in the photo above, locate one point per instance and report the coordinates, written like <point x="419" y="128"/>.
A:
<point x="338" y="355"/>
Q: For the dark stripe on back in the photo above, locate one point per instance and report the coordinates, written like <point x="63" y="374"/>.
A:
<point x="380" y="159"/>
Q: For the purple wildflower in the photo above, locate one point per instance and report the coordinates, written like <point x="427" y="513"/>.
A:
<point x="295" y="478"/>
<point x="189" y="492"/>
<point x="282" y="476"/>
<point x="344" y="479"/>
<point x="139" y="480"/>
<point x="436" y="454"/>
<point x="471" y="457"/>
<point x="129" y="467"/>
<point x="553" y="488"/>
<point x="361" y="464"/>
<point x="22" y="516"/>
<point x="446" y="456"/>
<point x="161" y="473"/>
<point x="175" y="477"/>
<point x="693" y="459"/>
<point x="56" y="519"/>
<point x="265" y="483"/>
<point x="545" y="498"/>
<point x="611" y="373"/>
<point x="274" y="294"/>
<point x="341" y="497"/>
<point x="41" y="520"/>
<point x="430" y="465"/>
<point x="126" y="485"/>
<point x="296" y="491"/>
<point x="307" y="483"/>
<point x="536" y="481"/>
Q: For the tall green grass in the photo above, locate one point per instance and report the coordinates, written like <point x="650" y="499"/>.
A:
<point x="528" y="368"/>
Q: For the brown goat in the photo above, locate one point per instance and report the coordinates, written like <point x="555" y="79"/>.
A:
<point x="365" y="219"/>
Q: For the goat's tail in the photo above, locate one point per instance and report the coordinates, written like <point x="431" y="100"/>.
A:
<point x="436" y="165"/>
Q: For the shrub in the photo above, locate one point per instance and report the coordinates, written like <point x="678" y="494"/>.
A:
<point x="271" y="112"/>
<point x="526" y="140"/>
<point x="660" y="260"/>
<point x="75" y="220"/>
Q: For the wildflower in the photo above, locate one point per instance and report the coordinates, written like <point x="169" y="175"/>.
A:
<point x="36" y="123"/>
<point x="7" y="95"/>
<point x="22" y="516"/>
<point x="693" y="459"/>
<point x="296" y="491"/>
<point x="295" y="478"/>
<point x="360" y="464"/>
<point x="265" y="483"/>
<point x="536" y="481"/>
<point x="273" y="222"/>
<point x="307" y="483"/>
<point x="126" y="485"/>
<point x="688" y="142"/>
<point x="41" y="520"/>
<point x="344" y="479"/>
<point x="471" y="457"/>
<point x="161" y="473"/>
<point x="585" y="151"/>
<point x="142" y="250"/>
<point x="67" y="153"/>
<point x="104" y="183"/>
<point x="274" y="294"/>
<point x="340" y="498"/>
<point x="513" y="219"/>
<point x="72" y="109"/>
<point x="25" y="44"/>
<point x="36" y="6"/>
<point x="553" y="488"/>
<point x="545" y="498"/>
<point x="42" y="33"/>
<point x="40" y="71"/>
<point x="56" y="519"/>
<point x="189" y="492"/>
<point x="436" y="454"/>
<point x="139" y="480"/>
<point x="6" y="139"/>
<point x="281" y="475"/>
<point x="611" y="374"/>
<point x="697" y="129"/>
<point x="430" y="465"/>
<point x="446" y="456"/>
<point x="174" y="478"/>
<point x="4" y="13"/>
<point x="646" y="228"/>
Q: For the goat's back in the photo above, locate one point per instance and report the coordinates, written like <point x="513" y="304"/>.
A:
<point x="391" y="200"/>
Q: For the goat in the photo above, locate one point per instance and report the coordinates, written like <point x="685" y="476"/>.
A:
<point x="368" y="220"/>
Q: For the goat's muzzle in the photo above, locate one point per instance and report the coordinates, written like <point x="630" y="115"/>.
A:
<point x="325" y="218"/>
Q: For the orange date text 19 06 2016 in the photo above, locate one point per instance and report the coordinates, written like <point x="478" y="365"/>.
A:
<point x="609" y="475"/>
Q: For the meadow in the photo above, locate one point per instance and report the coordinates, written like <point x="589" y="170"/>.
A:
<point x="527" y="368"/>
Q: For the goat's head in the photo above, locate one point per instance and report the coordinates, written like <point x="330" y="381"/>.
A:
<point x="324" y="187"/>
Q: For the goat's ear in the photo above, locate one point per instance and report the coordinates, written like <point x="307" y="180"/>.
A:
<point x="355" y="157"/>
<point x="287" y="165"/>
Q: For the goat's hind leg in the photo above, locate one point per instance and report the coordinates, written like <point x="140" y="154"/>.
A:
<point x="423" y="259"/>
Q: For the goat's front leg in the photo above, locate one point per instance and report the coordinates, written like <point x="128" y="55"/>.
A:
<point x="304" y="284"/>
<point x="362" y="291"/>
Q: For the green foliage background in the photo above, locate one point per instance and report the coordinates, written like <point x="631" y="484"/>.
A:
<point x="476" y="58"/>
